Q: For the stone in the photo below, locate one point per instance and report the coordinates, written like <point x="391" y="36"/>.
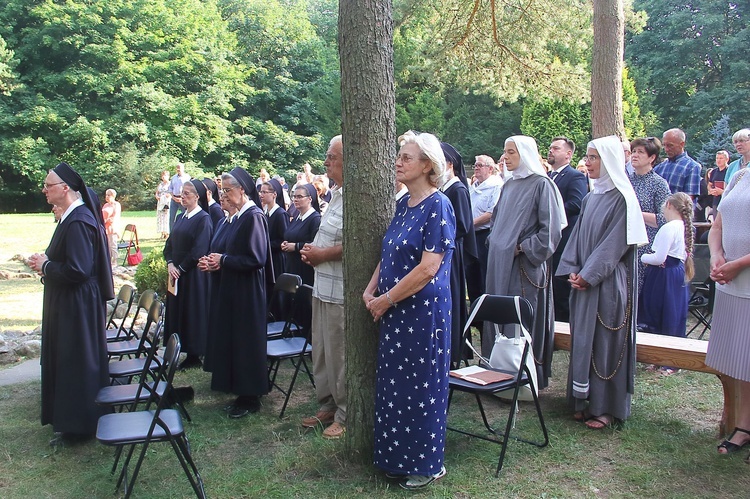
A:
<point x="30" y="349"/>
<point x="4" y="276"/>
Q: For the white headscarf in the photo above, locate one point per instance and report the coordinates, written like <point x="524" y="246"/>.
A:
<point x="529" y="164"/>
<point x="612" y="176"/>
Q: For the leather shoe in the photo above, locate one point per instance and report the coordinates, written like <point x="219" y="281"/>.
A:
<point x="244" y="406"/>
<point x="320" y="418"/>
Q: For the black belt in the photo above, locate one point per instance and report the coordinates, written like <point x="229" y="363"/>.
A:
<point x="479" y="231"/>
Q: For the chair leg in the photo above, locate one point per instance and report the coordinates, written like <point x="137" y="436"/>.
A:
<point x="291" y="385"/>
<point x="181" y="447"/>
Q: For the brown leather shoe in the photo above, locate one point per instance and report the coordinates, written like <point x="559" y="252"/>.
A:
<point x="334" y="431"/>
<point x="320" y="418"/>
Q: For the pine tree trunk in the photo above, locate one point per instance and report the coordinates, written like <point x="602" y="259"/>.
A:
<point x="606" y="68"/>
<point x="368" y="117"/>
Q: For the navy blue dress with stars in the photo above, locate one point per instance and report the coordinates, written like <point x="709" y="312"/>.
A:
<point x="411" y="398"/>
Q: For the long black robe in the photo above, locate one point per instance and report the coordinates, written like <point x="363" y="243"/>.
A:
<point x="218" y="245"/>
<point x="461" y="201"/>
<point x="278" y="221"/>
<point x="74" y="343"/>
<point x="216" y="213"/>
<point x="186" y="313"/>
<point x="301" y="232"/>
<point x="238" y="352"/>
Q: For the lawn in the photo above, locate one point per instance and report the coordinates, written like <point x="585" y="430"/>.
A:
<point x="666" y="449"/>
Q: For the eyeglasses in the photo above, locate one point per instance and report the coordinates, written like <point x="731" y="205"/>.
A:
<point x="266" y="192"/>
<point x="298" y="196"/>
<point x="740" y="141"/>
<point x="226" y="190"/>
<point x="481" y="165"/>
<point x="47" y="186"/>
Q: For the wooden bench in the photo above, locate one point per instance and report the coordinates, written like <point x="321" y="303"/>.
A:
<point x="685" y="353"/>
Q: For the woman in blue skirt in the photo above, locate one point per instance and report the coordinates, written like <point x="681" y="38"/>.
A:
<point x="663" y="302"/>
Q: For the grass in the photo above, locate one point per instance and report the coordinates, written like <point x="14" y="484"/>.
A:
<point x="666" y="449"/>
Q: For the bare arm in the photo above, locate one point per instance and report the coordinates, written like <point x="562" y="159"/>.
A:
<point x="315" y="255"/>
<point x="482" y="219"/>
<point x="412" y="282"/>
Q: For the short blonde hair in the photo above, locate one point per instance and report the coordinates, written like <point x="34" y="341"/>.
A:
<point x="110" y="192"/>
<point x="429" y="145"/>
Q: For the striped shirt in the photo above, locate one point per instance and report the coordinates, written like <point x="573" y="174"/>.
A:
<point x="329" y="276"/>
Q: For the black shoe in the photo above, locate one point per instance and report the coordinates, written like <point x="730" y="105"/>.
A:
<point x="69" y="439"/>
<point x="190" y="362"/>
<point x="244" y="406"/>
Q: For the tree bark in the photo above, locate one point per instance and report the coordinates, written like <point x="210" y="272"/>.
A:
<point x="606" y="68"/>
<point x="368" y="117"/>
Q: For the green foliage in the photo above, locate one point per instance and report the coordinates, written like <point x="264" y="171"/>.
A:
<point x="545" y="119"/>
<point x="719" y="137"/>
<point x="152" y="273"/>
<point x="7" y="75"/>
<point x="690" y="61"/>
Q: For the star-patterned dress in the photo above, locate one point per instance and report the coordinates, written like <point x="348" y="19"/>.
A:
<point x="411" y="398"/>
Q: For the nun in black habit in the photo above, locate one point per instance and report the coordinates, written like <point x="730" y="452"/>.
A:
<point x="187" y="243"/>
<point x="77" y="282"/>
<point x="456" y="189"/>
<point x="237" y="355"/>
<point x="214" y="208"/>
<point x="301" y="231"/>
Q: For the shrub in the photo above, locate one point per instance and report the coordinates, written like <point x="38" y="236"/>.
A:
<point x="152" y="273"/>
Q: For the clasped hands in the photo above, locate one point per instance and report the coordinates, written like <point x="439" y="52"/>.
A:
<point x="377" y="305"/>
<point x="36" y="262"/>
<point x="210" y="262"/>
<point x="722" y="271"/>
<point x="578" y="282"/>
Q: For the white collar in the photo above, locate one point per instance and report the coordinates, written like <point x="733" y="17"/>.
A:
<point x="559" y="170"/>
<point x="75" y="204"/>
<point x="272" y="210"/>
<point x="447" y="184"/>
<point x="307" y="214"/>
<point x="402" y="192"/>
<point x="193" y="212"/>
<point x="244" y="208"/>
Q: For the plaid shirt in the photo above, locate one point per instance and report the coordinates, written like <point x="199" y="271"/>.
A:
<point x="683" y="174"/>
<point x="329" y="276"/>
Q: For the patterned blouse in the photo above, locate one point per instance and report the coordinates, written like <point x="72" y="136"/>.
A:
<point x="652" y="192"/>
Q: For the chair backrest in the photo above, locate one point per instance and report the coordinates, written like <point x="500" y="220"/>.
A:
<point x="154" y="317"/>
<point x="702" y="263"/>
<point x="165" y="373"/>
<point x="145" y="301"/>
<point x="284" y="292"/>
<point x="125" y="295"/>
<point x="303" y="310"/>
<point x="501" y="310"/>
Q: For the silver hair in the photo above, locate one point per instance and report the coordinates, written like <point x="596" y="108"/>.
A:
<point x="680" y="134"/>
<point x="743" y="134"/>
<point x="724" y="153"/>
<point x="228" y="178"/>
<point x="429" y="145"/>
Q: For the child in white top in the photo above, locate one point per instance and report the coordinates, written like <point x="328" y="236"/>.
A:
<point x="663" y="301"/>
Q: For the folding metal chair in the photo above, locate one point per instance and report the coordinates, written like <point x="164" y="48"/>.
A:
<point x="135" y="347"/>
<point x="126" y="296"/>
<point x="144" y="304"/>
<point x="283" y="299"/>
<point x="701" y="306"/>
<point x="151" y="426"/>
<point x="501" y="310"/>
<point x="292" y="348"/>
<point x="131" y="234"/>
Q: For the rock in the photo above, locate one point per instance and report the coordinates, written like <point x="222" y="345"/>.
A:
<point x="30" y="349"/>
<point x="121" y="310"/>
<point x="4" y="276"/>
<point x="8" y="358"/>
<point x="23" y="275"/>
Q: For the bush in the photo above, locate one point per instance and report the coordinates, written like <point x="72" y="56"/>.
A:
<point x="152" y="273"/>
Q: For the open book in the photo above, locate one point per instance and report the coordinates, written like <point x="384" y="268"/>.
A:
<point x="480" y="375"/>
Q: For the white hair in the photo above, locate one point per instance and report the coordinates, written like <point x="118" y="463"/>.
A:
<point x="743" y="134"/>
<point x="429" y="145"/>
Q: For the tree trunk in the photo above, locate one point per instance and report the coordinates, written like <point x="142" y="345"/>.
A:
<point x="606" y="68"/>
<point x="368" y="116"/>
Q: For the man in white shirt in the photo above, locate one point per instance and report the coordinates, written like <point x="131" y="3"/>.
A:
<point x="175" y="189"/>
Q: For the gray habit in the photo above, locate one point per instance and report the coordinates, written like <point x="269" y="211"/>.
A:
<point x="602" y="361"/>
<point x="527" y="213"/>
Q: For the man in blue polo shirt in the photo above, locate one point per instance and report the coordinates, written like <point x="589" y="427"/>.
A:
<point x="682" y="173"/>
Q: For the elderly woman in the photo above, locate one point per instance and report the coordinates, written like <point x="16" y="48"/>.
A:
<point x="651" y="191"/>
<point x="187" y="243"/>
<point x="456" y="189"/>
<point x="600" y="262"/>
<point x="237" y="354"/>
<point x="741" y="141"/>
<point x="77" y="282"/>
<point x="300" y="231"/>
<point x="111" y="211"/>
<point x="413" y="275"/>
<point x="526" y="228"/>
<point x="729" y="344"/>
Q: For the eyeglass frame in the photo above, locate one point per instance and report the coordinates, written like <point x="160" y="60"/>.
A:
<point x="45" y="185"/>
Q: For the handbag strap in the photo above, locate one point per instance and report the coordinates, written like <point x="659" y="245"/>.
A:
<point x="470" y="320"/>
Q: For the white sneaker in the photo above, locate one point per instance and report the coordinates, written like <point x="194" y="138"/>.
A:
<point x="414" y="482"/>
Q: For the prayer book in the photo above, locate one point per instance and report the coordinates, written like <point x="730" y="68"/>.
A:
<point x="480" y="375"/>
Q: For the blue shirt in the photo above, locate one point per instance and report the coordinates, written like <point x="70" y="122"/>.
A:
<point x="682" y="173"/>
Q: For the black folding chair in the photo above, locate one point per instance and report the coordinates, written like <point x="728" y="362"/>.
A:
<point x="125" y="296"/>
<point x="144" y="304"/>
<point x="129" y="429"/>
<point x="701" y="302"/>
<point x="283" y="300"/>
<point x="501" y="310"/>
<point x="138" y="346"/>
<point x="291" y="348"/>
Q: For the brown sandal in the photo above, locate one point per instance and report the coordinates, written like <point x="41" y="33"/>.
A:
<point x="600" y="422"/>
